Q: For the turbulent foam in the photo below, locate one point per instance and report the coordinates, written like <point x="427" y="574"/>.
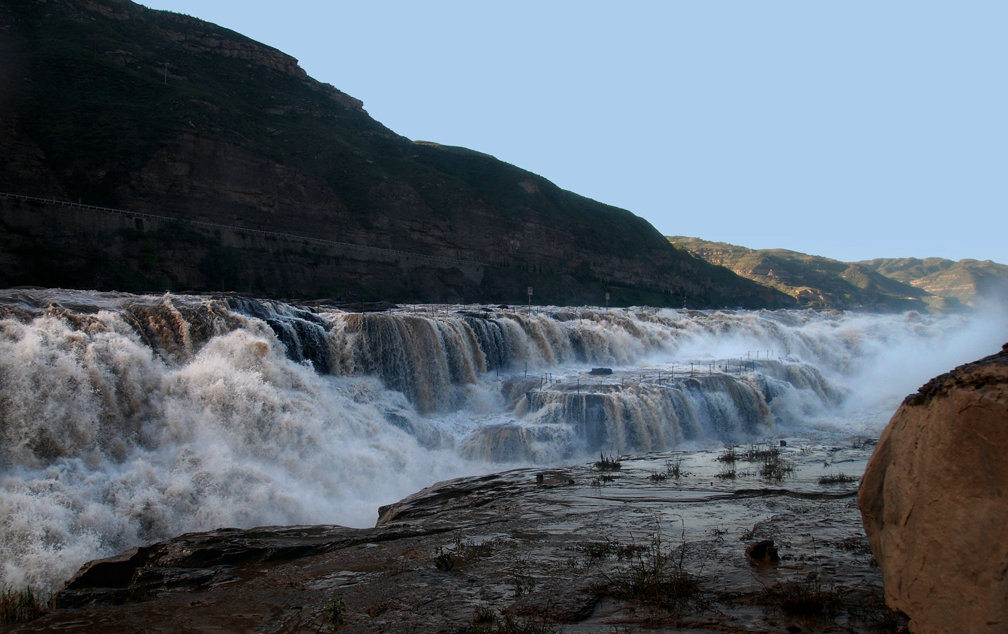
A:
<point x="126" y="419"/>
<point x="107" y="444"/>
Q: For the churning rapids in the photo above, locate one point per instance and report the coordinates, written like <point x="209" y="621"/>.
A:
<point x="127" y="419"/>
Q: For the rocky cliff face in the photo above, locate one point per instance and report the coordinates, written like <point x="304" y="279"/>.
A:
<point x="115" y="105"/>
<point x="934" y="506"/>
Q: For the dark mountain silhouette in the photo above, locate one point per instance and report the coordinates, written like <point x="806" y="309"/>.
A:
<point x="221" y="165"/>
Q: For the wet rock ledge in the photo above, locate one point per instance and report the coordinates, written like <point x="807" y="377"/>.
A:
<point x="659" y="542"/>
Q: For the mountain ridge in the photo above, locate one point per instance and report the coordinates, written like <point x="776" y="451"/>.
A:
<point x="934" y="284"/>
<point x="116" y="105"/>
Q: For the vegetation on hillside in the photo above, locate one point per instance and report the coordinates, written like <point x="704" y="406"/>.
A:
<point x="933" y="284"/>
<point x="966" y="282"/>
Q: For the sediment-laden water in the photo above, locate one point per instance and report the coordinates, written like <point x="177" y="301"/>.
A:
<point x="126" y="419"/>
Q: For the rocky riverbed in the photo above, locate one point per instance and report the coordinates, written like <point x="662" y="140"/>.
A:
<point x="657" y="541"/>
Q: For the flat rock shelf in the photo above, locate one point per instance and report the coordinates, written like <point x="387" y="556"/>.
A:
<point x="653" y="541"/>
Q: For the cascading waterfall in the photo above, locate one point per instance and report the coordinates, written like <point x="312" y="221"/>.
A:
<point x="126" y="419"/>
<point x="639" y="417"/>
<point x="421" y="357"/>
<point x="302" y="332"/>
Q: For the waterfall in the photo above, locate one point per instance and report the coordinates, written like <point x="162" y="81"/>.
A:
<point x="126" y="419"/>
<point x="636" y="418"/>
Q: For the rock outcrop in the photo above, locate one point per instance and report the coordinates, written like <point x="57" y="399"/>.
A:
<point x="933" y="501"/>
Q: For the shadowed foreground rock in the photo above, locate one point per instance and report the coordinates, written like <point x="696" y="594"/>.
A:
<point x="661" y="542"/>
<point x="933" y="501"/>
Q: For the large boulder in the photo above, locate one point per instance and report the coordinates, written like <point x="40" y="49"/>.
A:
<point x="933" y="501"/>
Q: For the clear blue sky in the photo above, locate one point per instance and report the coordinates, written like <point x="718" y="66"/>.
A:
<point x="853" y="129"/>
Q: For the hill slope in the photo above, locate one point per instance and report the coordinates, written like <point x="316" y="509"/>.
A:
<point x="882" y="284"/>
<point x="116" y="105"/>
<point x="968" y="282"/>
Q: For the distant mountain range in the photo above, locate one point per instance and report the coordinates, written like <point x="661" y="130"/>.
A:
<point x="206" y="161"/>
<point x="933" y="284"/>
